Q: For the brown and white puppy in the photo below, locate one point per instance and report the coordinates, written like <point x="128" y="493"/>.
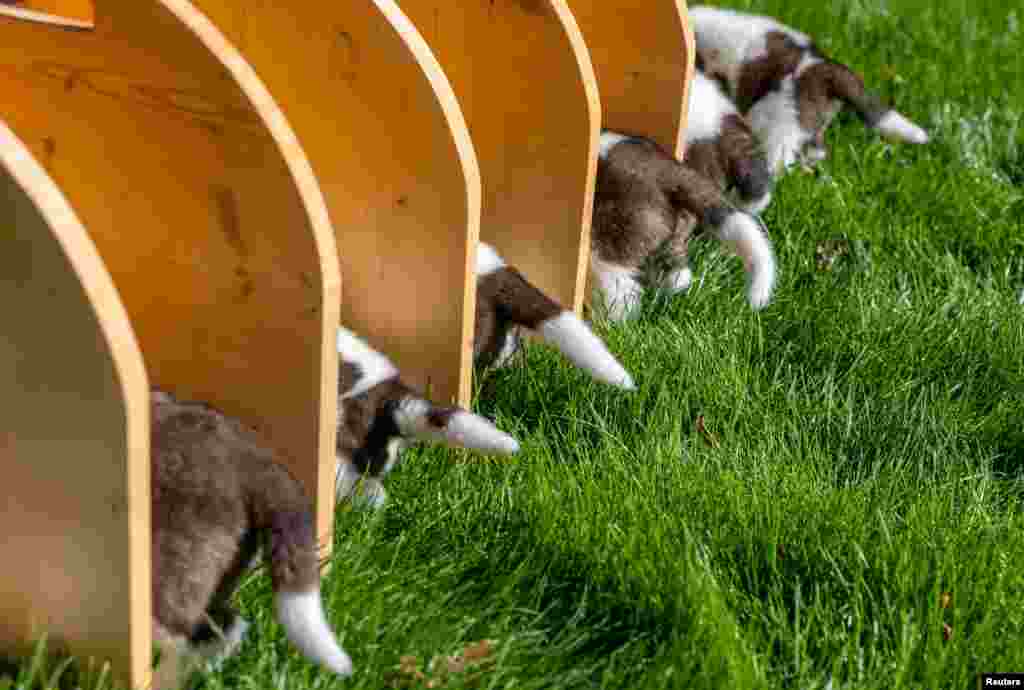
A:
<point x="721" y="146"/>
<point x="381" y="415"/>
<point x="505" y="301"/>
<point x="647" y="202"/>
<point x="788" y="89"/>
<point x="219" y="496"/>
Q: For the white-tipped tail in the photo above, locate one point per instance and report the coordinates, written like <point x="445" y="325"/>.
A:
<point x="301" y="614"/>
<point x="463" y="429"/>
<point x="569" y="335"/>
<point x="743" y="233"/>
<point x="896" y="126"/>
<point x="472" y="431"/>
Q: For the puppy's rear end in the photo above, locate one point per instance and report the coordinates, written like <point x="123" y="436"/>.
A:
<point x="721" y="145"/>
<point x="219" y="494"/>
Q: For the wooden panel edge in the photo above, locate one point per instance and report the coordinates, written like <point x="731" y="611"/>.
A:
<point x="302" y="173"/>
<point x="113" y="320"/>
<point x="434" y="73"/>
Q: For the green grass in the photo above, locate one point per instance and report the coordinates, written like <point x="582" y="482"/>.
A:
<point x="870" y="428"/>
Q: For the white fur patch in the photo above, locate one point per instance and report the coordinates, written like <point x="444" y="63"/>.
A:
<point x="346" y="479"/>
<point x="708" y="106"/>
<point x="896" y="126"/>
<point x="727" y="38"/>
<point x="509" y="347"/>
<point x="472" y="431"/>
<point x="680" y="279"/>
<point x="464" y="429"/>
<point x="743" y="234"/>
<point x="373" y="495"/>
<point x="776" y="123"/>
<point x="619" y="289"/>
<point x="487" y="260"/>
<point x="609" y="140"/>
<point x="301" y="614"/>
<point x="573" y="338"/>
<point x="373" y="365"/>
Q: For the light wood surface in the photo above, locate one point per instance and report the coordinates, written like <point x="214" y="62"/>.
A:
<point x="70" y="13"/>
<point x="386" y="138"/>
<point x="74" y="436"/>
<point x="204" y="211"/>
<point x="210" y="223"/>
<point x="523" y="77"/>
<point x="643" y="55"/>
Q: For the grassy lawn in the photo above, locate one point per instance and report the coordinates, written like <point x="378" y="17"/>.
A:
<point x="851" y="513"/>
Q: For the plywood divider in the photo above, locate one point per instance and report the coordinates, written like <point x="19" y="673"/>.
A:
<point x="74" y="436"/>
<point x="392" y="154"/>
<point x="78" y="14"/>
<point x="524" y="80"/>
<point x="203" y="208"/>
<point x="643" y="54"/>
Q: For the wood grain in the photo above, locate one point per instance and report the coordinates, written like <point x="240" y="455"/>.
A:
<point x="206" y="213"/>
<point x="391" y="151"/>
<point x="74" y="437"/>
<point x="523" y="77"/>
<point x="643" y="55"/>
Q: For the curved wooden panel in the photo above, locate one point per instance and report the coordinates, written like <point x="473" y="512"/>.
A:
<point x="523" y="77"/>
<point x="643" y="54"/>
<point x="74" y="435"/>
<point x="78" y="14"/>
<point x="392" y="154"/>
<point x="203" y="209"/>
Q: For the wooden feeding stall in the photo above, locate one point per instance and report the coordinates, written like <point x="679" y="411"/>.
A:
<point x="74" y="434"/>
<point x="393" y="157"/>
<point x="526" y="87"/>
<point x="205" y="213"/>
<point x="643" y="55"/>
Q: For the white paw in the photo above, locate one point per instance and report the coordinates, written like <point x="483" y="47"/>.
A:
<point x="680" y="279"/>
<point x="373" y="494"/>
<point x="346" y="480"/>
<point x="509" y="348"/>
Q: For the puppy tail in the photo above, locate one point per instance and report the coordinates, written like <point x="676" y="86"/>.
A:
<point x="740" y="231"/>
<point x="743" y="234"/>
<point x="422" y="420"/>
<point x="847" y="86"/>
<point x="522" y="303"/>
<point x="281" y="506"/>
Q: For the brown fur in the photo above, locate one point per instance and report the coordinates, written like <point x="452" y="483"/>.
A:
<point x="759" y="77"/>
<point x="820" y="88"/>
<point x="734" y="160"/>
<point x="821" y="84"/>
<point x="645" y="199"/>
<point x="368" y="424"/>
<point x="504" y="301"/>
<point x="217" y="492"/>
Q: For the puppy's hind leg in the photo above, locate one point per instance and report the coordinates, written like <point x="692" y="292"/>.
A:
<point x="618" y="287"/>
<point x="679" y="276"/>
